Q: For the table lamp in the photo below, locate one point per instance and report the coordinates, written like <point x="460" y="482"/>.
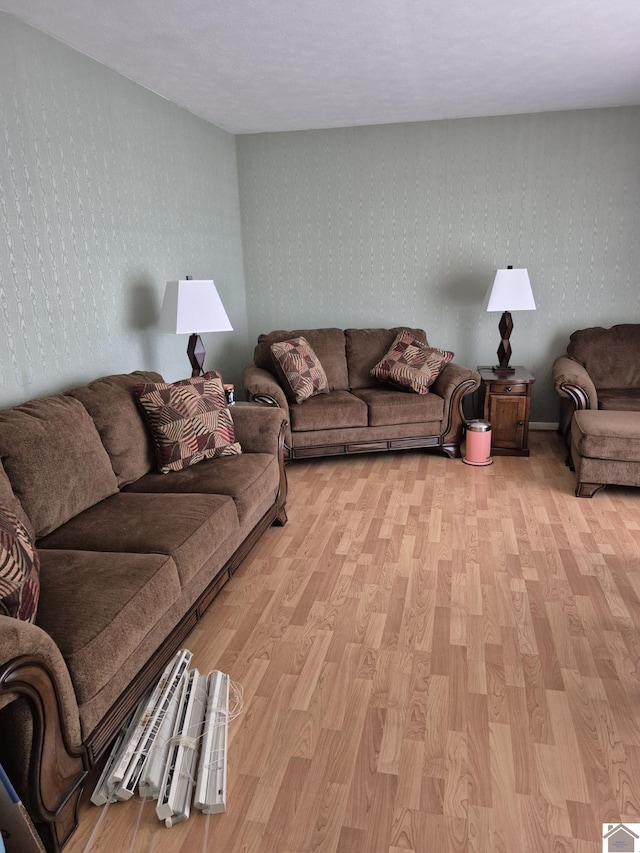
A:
<point x="510" y="291"/>
<point x="192" y="306"/>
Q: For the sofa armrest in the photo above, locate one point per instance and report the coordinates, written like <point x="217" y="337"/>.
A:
<point x="570" y="379"/>
<point x="22" y="639"/>
<point x="45" y="756"/>
<point x="262" y="429"/>
<point x="258" y="427"/>
<point x="454" y="383"/>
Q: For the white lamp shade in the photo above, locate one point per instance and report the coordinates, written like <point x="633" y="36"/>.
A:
<point x="191" y="306"/>
<point x="510" y="291"/>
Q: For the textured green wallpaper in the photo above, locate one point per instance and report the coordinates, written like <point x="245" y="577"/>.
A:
<point x="396" y="224"/>
<point x="106" y="192"/>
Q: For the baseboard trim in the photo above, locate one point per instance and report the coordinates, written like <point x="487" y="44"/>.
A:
<point x="543" y="425"/>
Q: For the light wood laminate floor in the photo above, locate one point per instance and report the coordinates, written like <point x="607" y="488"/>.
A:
<point x="434" y="657"/>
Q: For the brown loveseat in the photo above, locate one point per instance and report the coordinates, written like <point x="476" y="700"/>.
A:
<point x="129" y="560"/>
<point x="360" y="413"/>
<point x="601" y="370"/>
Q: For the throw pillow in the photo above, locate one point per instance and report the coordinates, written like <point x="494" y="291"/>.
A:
<point x="189" y="421"/>
<point x="19" y="569"/>
<point x="299" y="369"/>
<point x="411" y="363"/>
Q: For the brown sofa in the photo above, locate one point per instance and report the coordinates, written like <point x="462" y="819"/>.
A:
<point x="360" y="413"/>
<point x="601" y="370"/>
<point x="129" y="560"/>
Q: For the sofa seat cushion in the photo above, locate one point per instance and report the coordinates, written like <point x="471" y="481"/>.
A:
<point x="99" y="606"/>
<point x="620" y="399"/>
<point x="327" y="344"/>
<point x="188" y="528"/>
<point x="336" y="410"/>
<point x="387" y="407"/>
<point x="248" y="479"/>
<point x="53" y="456"/>
<point x="598" y="434"/>
<point x="119" y="421"/>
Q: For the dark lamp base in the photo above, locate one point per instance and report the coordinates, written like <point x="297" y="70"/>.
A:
<point x="196" y="353"/>
<point x="505" y="327"/>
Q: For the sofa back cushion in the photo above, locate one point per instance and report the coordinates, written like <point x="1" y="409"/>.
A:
<point x="11" y="502"/>
<point x="366" y="347"/>
<point x="53" y="456"/>
<point x="328" y="345"/>
<point x="611" y="357"/>
<point x="120" y="423"/>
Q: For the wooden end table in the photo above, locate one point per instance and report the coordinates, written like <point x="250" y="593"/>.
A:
<point x="505" y="400"/>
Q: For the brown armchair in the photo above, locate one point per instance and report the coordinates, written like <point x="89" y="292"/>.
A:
<point x="601" y="370"/>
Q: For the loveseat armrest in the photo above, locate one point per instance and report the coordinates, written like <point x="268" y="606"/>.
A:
<point x="41" y="746"/>
<point x="453" y="384"/>
<point x="262" y="386"/>
<point x="454" y="376"/>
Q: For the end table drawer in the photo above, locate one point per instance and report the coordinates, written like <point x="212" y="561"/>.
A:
<point x="508" y="388"/>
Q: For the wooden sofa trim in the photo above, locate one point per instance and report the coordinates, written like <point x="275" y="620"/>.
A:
<point x="588" y="490"/>
<point x="56" y="770"/>
<point x="362" y="447"/>
<point x="580" y="401"/>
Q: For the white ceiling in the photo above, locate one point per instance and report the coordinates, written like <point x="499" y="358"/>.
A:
<point x="268" y="65"/>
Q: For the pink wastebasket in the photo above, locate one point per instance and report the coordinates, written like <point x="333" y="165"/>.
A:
<point x="478" y="443"/>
